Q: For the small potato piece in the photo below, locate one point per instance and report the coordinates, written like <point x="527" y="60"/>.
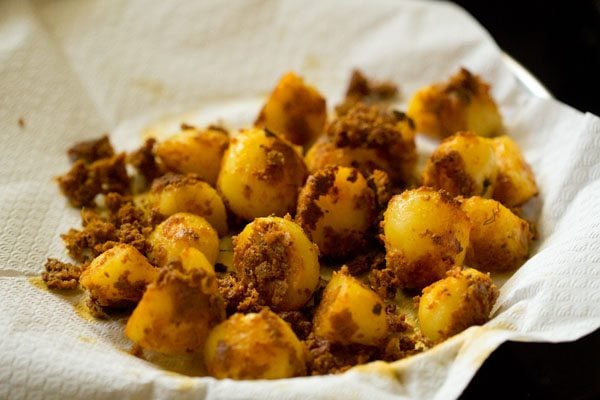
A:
<point x="425" y="234"/>
<point x="180" y="231"/>
<point x="368" y="138"/>
<point x="463" y="103"/>
<point x="516" y="183"/>
<point x="453" y="304"/>
<point x="118" y="276"/>
<point x="294" y="110"/>
<point x="463" y="164"/>
<point x="178" y="311"/>
<point x="499" y="240"/>
<point x="194" y="151"/>
<point x="254" y="346"/>
<point x="261" y="175"/>
<point x="350" y="312"/>
<point x="336" y="208"/>
<point x="276" y="256"/>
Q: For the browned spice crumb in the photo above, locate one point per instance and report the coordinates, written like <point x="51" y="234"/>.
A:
<point x="301" y="322"/>
<point x="319" y="183"/>
<point x="361" y="89"/>
<point x="367" y="261"/>
<point x="21" y="122"/>
<point x="96" y="310"/>
<point x="91" y="150"/>
<point x="137" y="351"/>
<point x="144" y="161"/>
<point x="384" y="282"/>
<point x="237" y="296"/>
<point x="61" y="275"/>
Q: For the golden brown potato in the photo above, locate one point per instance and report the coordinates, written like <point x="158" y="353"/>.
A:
<point x="294" y="110"/>
<point x="254" y="346"/>
<point x="463" y="164"/>
<point x="368" y="138"/>
<point x="336" y="208"/>
<point x="425" y="234"/>
<point x="178" y="311"/>
<point x="515" y="184"/>
<point x="194" y="151"/>
<point x="453" y="304"/>
<point x="464" y="103"/>
<point x="261" y="175"/>
<point x="499" y="240"/>
<point x="173" y="193"/>
<point x="350" y="312"/>
<point x="118" y="276"/>
<point x="276" y="256"/>
<point x="178" y="232"/>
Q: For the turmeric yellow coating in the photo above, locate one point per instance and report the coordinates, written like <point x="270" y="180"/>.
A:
<point x="178" y="232"/>
<point x="499" y="240"/>
<point x="453" y="304"/>
<point x="350" y="312"/>
<point x="425" y="234"/>
<point x="294" y="110"/>
<point x="254" y="346"/>
<point x="464" y="103"/>
<point x="194" y="151"/>
<point x="118" y="276"/>
<point x="463" y="164"/>
<point x="261" y="175"/>
<point x="336" y="208"/>
<point x="177" y="312"/>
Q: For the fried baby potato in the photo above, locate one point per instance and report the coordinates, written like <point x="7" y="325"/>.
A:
<point x="294" y="110"/>
<point x="254" y="346"/>
<point x="350" y="312"/>
<point x="462" y="103"/>
<point x="425" y="234"/>
<point x="194" y="151"/>
<point x="261" y="175"/>
<point x="368" y="138"/>
<point x="336" y="208"/>
<point x="453" y="304"/>
<point x="463" y="164"/>
<point x="178" y="232"/>
<point x="174" y="193"/>
<point x="118" y="276"/>
<point x="499" y="240"/>
<point x="177" y="312"/>
<point x="516" y="183"/>
<point x="277" y="258"/>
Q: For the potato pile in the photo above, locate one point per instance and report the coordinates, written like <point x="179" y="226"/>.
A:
<point x="282" y="250"/>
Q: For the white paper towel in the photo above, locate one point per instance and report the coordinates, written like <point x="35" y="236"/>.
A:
<point x="72" y="70"/>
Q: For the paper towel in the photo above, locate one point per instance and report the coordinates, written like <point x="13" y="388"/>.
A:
<point x="71" y="70"/>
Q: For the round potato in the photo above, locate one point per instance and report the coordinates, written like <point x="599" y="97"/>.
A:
<point x="277" y="258"/>
<point x="425" y="234"/>
<point x="453" y="304"/>
<point x="178" y="232"/>
<point x="499" y="240"/>
<point x="463" y="164"/>
<point x="194" y="151"/>
<point x="261" y="175"/>
<point x="336" y="208"/>
<point x="254" y="346"/>
<point x="174" y="193"/>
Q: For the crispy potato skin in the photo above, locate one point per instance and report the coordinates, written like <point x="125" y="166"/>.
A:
<point x="350" y="312"/>
<point x="179" y="231"/>
<point x="462" y="103"/>
<point x="194" y="151"/>
<point x="516" y="183"/>
<point x="463" y="164"/>
<point x="261" y="175"/>
<point x="294" y="110"/>
<point x="254" y="346"/>
<point x="118" y="276"/>
<point x="499" y="240"/>
<point x="277" y="258"/>
<point x="174" y="193"/>
<point x="336" y="208"/>
<point x="177" y="312"/>
<point x="453" y="304"/>
<point x="425" y="234"/>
